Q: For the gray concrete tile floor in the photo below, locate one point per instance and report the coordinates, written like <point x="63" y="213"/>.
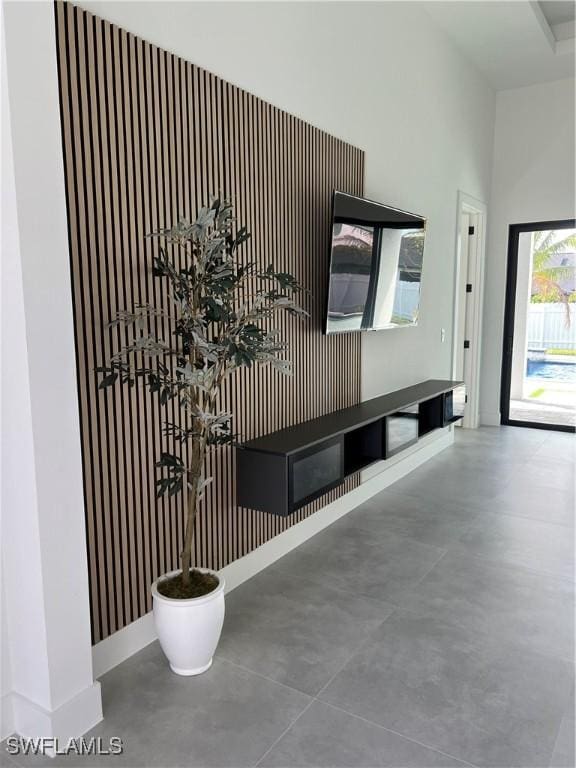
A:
<point x="431" y="627"/>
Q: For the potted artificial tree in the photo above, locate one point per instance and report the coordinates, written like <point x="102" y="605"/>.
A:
<point x="218" y="312"/>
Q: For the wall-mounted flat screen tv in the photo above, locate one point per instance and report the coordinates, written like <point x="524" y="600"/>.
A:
<point x="375" y="266"/>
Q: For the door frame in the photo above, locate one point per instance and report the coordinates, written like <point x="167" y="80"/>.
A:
<point x="514" y="232"/>
<point x="476" y="260"/>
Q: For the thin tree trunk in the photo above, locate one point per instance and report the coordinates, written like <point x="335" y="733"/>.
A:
<point x="192" y="477"/>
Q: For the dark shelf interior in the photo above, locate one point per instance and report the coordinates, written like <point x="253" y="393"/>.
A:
<point x="431" y="416"/>
<point x="363" y="447"/>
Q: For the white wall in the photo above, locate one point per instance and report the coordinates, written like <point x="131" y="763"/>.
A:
<point x="18" y="489"/>
<point x="6" y="709"/>
<point x="380" y="76"/>
<point x="533" y="180"/>
<point x="45" y="614"/>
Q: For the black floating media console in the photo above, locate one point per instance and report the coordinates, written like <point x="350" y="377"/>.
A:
<point x="285" y="470"/>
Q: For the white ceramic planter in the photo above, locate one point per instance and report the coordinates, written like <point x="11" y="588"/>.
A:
<point x="189" y="630"/>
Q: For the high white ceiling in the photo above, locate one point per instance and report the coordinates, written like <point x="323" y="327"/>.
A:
<point x="512" y="42"/>
<point x="559" y="15"/>
<point x="558" y="11"/>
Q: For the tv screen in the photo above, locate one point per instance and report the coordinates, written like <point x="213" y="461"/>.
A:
<point x="375" y="266"/>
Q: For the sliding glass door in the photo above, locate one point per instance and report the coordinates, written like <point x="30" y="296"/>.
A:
<point x="539" y="354"/>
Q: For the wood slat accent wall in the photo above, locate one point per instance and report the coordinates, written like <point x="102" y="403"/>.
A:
<point x="147" y="138"/>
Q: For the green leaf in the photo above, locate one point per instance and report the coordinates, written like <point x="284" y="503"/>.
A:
<point x="107" y="381"/>
<point x="170" y="460"/>
<point x="242" y="236"/>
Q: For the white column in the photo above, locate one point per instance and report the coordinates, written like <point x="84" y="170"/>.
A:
<point x="46" y="608"/>
<point x="523" y="286"/>
<point x="387" y="278"/>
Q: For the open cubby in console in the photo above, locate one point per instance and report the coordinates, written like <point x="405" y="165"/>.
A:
<point x="283" y="471"/>
<point x="363" y="446"/>
<point x="431" y="415"/>
<point x="402" y="429"/>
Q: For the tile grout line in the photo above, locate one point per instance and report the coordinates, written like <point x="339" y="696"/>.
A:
<point x="354" y="652"/>
<point x="506" y="564"/>
<point x="264" y="677"/>
<point x="448" y="623"/>
<point x="476" y="516"/>
<point x="284" y="732"/>
<point x="553" y="750"/>
<point x="389" y="601"/>
<point x="369" y="722"/>
<point x="315" y="698"/>
<point x="398" y="733"/>
<point x="384" y="602"/>
<point x="424" y="576"/>
<point x="510" y="564"/>
<point x="532" y="519"/>
<point x="10" y="759"/>
<point x="566" y="526"/>
<point x="340" y="668"/>
<point x="468" y="521"/>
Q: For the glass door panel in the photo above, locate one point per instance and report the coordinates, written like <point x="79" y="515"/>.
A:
<point x="539" y="360"/>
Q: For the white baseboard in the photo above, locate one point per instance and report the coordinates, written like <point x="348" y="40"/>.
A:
<point x="6" y="716"/>
<point x="122" y="644"/>
<point x="490" y="418"/>
<point x="71" y="720"/>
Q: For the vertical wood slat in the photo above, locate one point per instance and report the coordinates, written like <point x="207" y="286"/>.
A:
<point x="148" y="137"/>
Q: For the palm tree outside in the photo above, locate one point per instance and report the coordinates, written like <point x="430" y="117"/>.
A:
<point x="552" y="274"/>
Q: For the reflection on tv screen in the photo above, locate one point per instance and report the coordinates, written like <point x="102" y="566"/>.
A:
<point x="350" y="275"/>
<point x="375" y="266"/>
<point x="398" y="279"/>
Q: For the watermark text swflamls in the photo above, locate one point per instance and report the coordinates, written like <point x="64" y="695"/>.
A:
<point x="51" y="745"/>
